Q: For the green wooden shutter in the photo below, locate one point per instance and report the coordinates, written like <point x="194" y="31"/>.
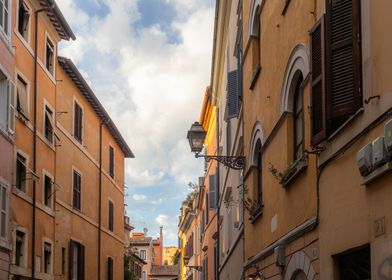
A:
<point x="212" y="195"/>
<point x="344" y="67"/>
<point x="318" y="82"/>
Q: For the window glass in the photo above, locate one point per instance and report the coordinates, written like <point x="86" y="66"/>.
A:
<point x="21" y="172"/>
<point x="23" y="20"/>
<point x="77" y="190"/>
<point x="48" y="125"/>
<point x="49" y="59"/>
<point x="48" y="191"/>
<point x="4" y="16"/>
<point x="22" y="97"/>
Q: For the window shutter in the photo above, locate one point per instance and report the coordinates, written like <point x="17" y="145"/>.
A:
<point x="11" y="111"/>
<point x="344" y="57"/>
<point x="71" y="259"/>
<point x="318" y="82"/>
<point x="232" y="94"/>
<point x="82" y="262"/>
<point x="212" y="195"/>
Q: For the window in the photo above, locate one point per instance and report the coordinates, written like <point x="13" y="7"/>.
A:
<point x="7" y="104"/>
<point x="21" y="171"/>
<point x="298" y="119"/>
<point x="110" y="269"/>
<point x="49" y="56"/>
<point x="111" y="161"/>
<point x="4" y="200"/>
<point x="48" y="124"/>
<point x="24" y="20"/>
<point x="355" y="264"/>
<point x="47" y="257"/>
<point x="20" y="248"/>
<point x="76" y="260"/>
<point x="255" y="43"/>
<point x="78" y="122"/>
<point x="48" y="191"/>
<point x="336" y="92"/>
<point x="144" y="275"/>
<point x="77" y="190"/>
<point x="22" y="103"/>
<point x="143" y="254"/>
<point x="111" y="216"/>
<point x="213" y="191"/>
<point x="5" y="16"/>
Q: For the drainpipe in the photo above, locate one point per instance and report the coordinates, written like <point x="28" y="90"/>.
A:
<point x="35" y="138"/>
<point x="100" y="200"/>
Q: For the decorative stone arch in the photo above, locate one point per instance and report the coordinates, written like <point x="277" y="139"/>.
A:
<point x="299" y="262"/>
<point x="257" y="136"/>
<point x="255" y="9"/>
<point x="298" y="64"/>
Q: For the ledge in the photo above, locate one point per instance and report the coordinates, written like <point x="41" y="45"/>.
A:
<point x="297" y="167"/>
<point x="377" y="174"/>
<point x="256" y="74"/>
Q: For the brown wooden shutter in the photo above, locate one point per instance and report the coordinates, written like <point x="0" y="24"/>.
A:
<point x="318" y="82"/>
<point x="111" y="161"/>
<point x="232" y="94"/>
<point x="70" y="260"/>
<point x="344" y="58"/>
<point x="111" y="216"/>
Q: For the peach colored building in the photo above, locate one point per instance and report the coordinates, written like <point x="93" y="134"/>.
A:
<point x="90" y="181"/>
<point x="37" y="27"/>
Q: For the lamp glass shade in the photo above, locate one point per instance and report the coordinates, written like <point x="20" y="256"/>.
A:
<point x="196" y="137"/>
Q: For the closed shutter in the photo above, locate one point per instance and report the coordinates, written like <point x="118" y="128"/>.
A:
<point x="111" y="216"/>
<point x="111" y="161"/>
<point x="232" y="94"/>
<point x="212" y="195"/>
<point x="11" y="111"/>
<point x="318" y="82"/>
<point x="344" y="58"/>
<point x="78" y="121"/>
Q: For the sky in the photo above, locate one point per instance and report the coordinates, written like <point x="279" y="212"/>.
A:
<point x="149" y="63"/>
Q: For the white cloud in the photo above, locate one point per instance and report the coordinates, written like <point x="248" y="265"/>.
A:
<point x="161" y="219"/>
<point x="151" y="87"/>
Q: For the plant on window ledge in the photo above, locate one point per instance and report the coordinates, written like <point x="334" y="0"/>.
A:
<point x="290" y="172"/>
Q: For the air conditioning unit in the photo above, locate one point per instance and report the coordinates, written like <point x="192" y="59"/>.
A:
<point x="379" y="152"/>
<point x="365" y="159"/>
<point x="280" y="259"/>
<point x="388" y="137"/>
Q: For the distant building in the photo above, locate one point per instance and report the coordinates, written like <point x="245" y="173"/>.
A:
<point x="168" y="254"/>
<point x="164" y="272"/>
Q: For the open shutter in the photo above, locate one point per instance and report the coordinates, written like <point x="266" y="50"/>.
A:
<point x="212" y="195"/>
<point x="318" y="82"/>
<point x="344" y="57"/>
<point x="232" y="94"/>
<point x="11" y="111"/>
<point x="81" y="263"/>
<point x="71" y="259"/>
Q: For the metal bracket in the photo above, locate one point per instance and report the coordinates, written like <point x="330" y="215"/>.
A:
<point x="233" y="162"/>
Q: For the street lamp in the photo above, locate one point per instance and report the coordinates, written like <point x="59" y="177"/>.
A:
<point x="197" y="135"/>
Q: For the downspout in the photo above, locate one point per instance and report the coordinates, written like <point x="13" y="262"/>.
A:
<point x="100" y="200"/>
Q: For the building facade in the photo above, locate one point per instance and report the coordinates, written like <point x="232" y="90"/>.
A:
<point x="62" y="189"/>
<point x="168" y="254"/>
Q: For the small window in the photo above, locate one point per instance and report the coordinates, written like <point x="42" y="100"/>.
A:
<point x="47" y="257"/>
<point x="110" y="269"/>
<point x="48" y="191"/>
<point x="24" y="20"/>
<point x="49" y="56"/>
<point x="77" y="190"/>
<point x="78" y="122"/>
<point x="111" y="161"/>
<point x="21" y="171"/>
<point x="48" y="124"/>
<point x="4" y="200"/>
<point x="143" y="254"/>
<point x="22" y="104"/>
<point x="111" y="216"/>
<point x="19" y="248"/>
<point x="5" y="16"/>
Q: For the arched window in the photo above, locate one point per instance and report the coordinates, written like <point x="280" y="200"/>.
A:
<point x="298" y="118"/>
<point x="299" y="275"/>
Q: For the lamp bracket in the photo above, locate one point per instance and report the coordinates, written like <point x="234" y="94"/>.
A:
<point x="233" y="162"/>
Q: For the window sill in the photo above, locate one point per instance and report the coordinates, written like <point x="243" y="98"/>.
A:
<point x="256" y="74"/>
<point x="256" y="214"/>
<point x="4" y="244"/>
<point x="377" y="174"/>
<point x="297" y="167"/>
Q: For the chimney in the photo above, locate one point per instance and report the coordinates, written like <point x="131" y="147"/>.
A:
<point x="145" y="231"/>
<point x="161" y="242"/>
